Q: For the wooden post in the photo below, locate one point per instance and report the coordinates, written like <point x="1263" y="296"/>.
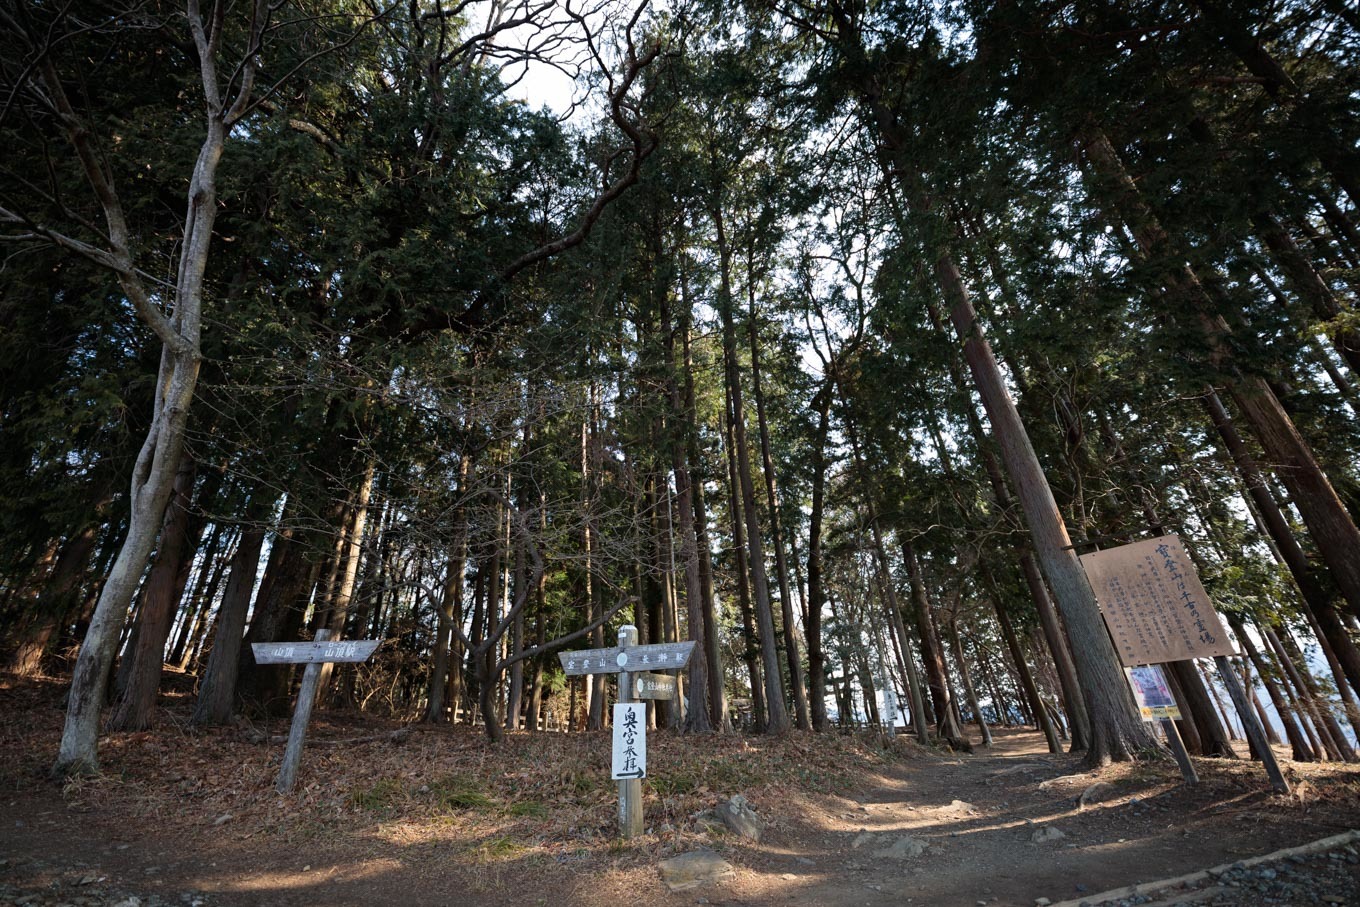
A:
<point x="1250" y="723"/>
<point x="1173" y="739"/>
<point x="630" y="789"/>
<point x="302" y="712"/>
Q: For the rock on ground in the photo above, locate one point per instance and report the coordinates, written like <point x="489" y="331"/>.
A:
<point x="1045" y="834"/>
<point x="904" y="848"/>
<point x="690" y="870"/>
<point x="737" y="815"/>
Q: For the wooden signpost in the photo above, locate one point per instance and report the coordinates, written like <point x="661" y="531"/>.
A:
<point x="313" y="654"/>
<point x="629" y="660"/>
<point x="1157" y="611"/>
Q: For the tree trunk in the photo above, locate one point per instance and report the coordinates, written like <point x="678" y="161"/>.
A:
<point x="56" y="604"/>
<point x="1302" y="752"/>
<point x="717" y="694"/>
<point x="1330" y="525"/>
<point x="1334" y="152"/>
<point x="777" y="715"/>
<point x="1116" y="730"/>
<point x="1213" y="736"/>
<point x="1286" y="546"/>
<point x="217" y="690"/>
<point x="700" y="716"/>
<point x="968" y="686"/>
<point x="212" y="564"/>
<point x="920" y="724"/>
<point x="448" y="649"/>
<point x="812" y="624"/>
<point x="750" y="649"/>
<point x="1329" y="733"/>
<point x="932" y="652"/>
<point x="1027" y="684"/>
<point x="279" y="603"/>
<point x="164" y="588"/>
<point x="1310" y="287"/>
<point x="796" y="685"/>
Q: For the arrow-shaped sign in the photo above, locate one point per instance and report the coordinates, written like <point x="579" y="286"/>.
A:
<point x="666" y="656"/>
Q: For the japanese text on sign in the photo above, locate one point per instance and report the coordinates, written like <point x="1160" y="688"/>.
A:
<point x="1153" y="603"/>
<point x="630" y="740"/>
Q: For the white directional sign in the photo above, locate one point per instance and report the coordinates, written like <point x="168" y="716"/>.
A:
<point x="630" y="741"/>
<point x="294" y="653"/>
<point x="313" y="654"/>
<point x="666" y="656"/>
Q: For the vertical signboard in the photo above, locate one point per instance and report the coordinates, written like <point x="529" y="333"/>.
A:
<point x="1152" y="693"/>
<point x="630" y="741"/>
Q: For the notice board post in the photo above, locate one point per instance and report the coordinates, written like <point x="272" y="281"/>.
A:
<point x="1157" y="611"/>
<point x="1156" y="703"/>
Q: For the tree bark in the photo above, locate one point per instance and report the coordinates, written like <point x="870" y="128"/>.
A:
<point x="1301" y="750"/>
<point x="1310" y="287"/>
<point x="1027" y="684"/>
<point x="1116" y="730"/>
<point x="160" y="596"/>
<point x="796" y="684"/>
<point x="932" y="653"/>
<point x="1314" y="599"/>
<point x="1329" y="523"/>
<point x="217" y="690"/>
<point x="968" y="688"/>
<point x="717" y="694"/>
<point x="777" y="714"/>
<point x="1212" y="735"/>
<point x="57" y="602"/>
<point x="699" y="719"/>
<point x="446" y="673"/>
<point x="812" y="624"/>
<point x="179" y="333"/>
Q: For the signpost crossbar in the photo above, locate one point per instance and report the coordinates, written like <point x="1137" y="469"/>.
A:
<point x="665" y="656"/>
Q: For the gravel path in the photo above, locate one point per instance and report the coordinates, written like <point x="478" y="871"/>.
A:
<point x="36" y="883"/>
<point x="1321" y="879"/>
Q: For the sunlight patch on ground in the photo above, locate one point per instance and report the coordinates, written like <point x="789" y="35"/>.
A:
<point x="264" y="880"/>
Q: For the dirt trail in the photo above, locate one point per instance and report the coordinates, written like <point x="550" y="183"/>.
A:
<point x="979" y="816"/>
<point x="976" y="815"/>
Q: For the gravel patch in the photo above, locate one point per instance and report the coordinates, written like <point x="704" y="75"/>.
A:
<point x="1325" y="878"/>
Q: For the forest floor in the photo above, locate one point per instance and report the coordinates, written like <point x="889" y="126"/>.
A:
<point x="434" y="816"/>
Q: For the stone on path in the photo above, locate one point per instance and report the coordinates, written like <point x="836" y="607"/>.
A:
<point x="904" y="848"/>
<point x="1101" y="790"/>
<point x="690" y="870"/>
<point x="1045" y="834"/>
<point x="737" y="815"/>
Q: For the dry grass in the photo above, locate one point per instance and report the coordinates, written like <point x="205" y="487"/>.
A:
<point x="532" y="795"/>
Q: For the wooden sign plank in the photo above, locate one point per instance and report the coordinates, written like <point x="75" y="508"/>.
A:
<point x="1153" y="603"/>
<point x="666" y="656"/>
<point x="319" y="652"/>
<point x="654" y="686"/>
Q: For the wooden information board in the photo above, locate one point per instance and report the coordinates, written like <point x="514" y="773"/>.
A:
<point x="1153" y="603"/>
